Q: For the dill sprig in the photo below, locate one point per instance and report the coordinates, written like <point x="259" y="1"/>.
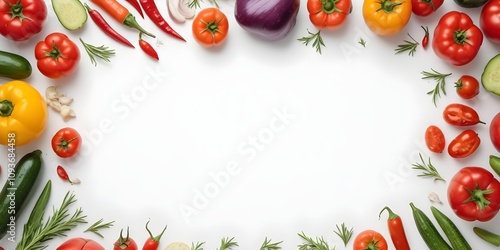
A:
<point x="428" y="170"/>
<point x="440" y="83"/>
<point x="315" y="38"/>
<point x="269" y="245"/>
<point x="98" y="225"/>
<point x="38" y="233"/>
<point x="227" y="243"/>
<point x="344" y="233"/>
<point x="313" y="244"/>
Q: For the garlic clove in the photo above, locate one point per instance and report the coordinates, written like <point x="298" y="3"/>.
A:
<point x="64" y="100"/>
<point x="55" y="105"/>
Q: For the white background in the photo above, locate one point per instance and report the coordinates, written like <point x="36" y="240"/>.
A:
<point x="158" y="135"/>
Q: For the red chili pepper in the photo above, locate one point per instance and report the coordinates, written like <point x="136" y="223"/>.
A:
<point x="136" y="6"/>
<point x="396" y="230"/>
<point x="425" y="40"/>
<point x="147" y="48"/>
<point x="152" y="242"/>
<point x="154" y="14"/>
<point x="104" y="26"/>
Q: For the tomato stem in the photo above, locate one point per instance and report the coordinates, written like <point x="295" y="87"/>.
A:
<point x="55" y="53"/>
<point x="155" y="238"/>
<point x="477" y="196"/>
<point x="16" y="10"/>
<point x="330" y="6"/>
<point x="6" y="108"/>
<point x="212" y="27"/>
<point x="460" y="37"/>
<point x="387" y="6"/>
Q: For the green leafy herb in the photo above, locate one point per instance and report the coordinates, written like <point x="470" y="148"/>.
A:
<point x="313" y="244"/>
<point x="344" y="233"/>
<point x="195" y="4"/>
<point x="410" y="46"/>
<point x="440" y="83"/>
<point x="98" y="225"/>
<point x="37" y="234"/>
<point x="268" y="245"/>
<point x="198" y="246"/>
<point x="428" y="170"/>
<point x="316" y="38"/>
<point x="362" y="42"/>
<point x="93" y="51"/>
<point x="227" y="243"/>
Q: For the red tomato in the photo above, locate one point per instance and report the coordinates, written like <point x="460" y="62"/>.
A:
<point x="370" y="239"/>
<point x="456" y="39"/>
<point x="464" y="144"/>
<point x="490" y="20"/>
<point x="21" y="19"/>
<point x="57" y="56"/>
<point x="425" y="7"/>
<point x="80" y="244"/>
<point x="328" y="14"/>
<point x="495" y="131"/>
<point x="474" y="194"/>
<point x="467" y="87"/>
<point x="460" y="115"/>
<point x="210" y="27"/>
<point x="434" y="139"/>
<point x="66" y="142"/>
<point x="126" y="243"/>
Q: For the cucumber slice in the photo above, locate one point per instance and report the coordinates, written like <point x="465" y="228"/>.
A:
<point x="490" y="79"/>
<point x="70" y="13"/>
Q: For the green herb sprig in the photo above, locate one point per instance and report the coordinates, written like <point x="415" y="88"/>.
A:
<point x="344" y="233"/>
<point x="313" y="244"/>
<point x="315" y="38"/>
<point x="410" y="46"/>
<point x="269" y="245"/>
<point x="198" y="246"/>
<point x="101" y="52"/>
<point x="440" y="83"/>
<point x="37" y="234"/>
<point x="428" y="170"/>
<point x="195" y="4"/>
<point x="98" y="225"/>
<point x="227" y="243"/>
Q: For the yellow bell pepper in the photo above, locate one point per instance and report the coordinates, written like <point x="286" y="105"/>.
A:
<point x="23" y="113"/>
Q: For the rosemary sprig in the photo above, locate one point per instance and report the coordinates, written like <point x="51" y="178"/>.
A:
<point x="102" y="52"/>
<point x="98" y="225"/>
<point x="362" y="42"/>
<point x="38" y="233"/>
<point x="268" y="245"/>
<point x="313" y="244"/>
<point x="198" y="246"/>
<point x="195" y="4"/>
<point x="410" y="46"/>
<point x="428" y="170"/>
<point x="440" y="83"/>
<point x="316" y="38"/>
<point x="227" y="243"/>
<point x="344" y="233"/>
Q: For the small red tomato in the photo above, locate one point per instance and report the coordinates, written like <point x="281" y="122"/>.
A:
<point x="66" y="142"/>
<point x="434" y="139"/>
<point x="370" y="239"/>
<point x="467" y="87"/>
<point x="80" y="244"/>
<point x="126" y="243"/>
<point x="464" y="144"/>
<point x="460" y="115"/>
<point x="425" y="39"/>
<point x="495" y="131"/>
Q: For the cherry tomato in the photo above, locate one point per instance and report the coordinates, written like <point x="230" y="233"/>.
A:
<point x="126" y="243"/>
<point x="464" y="144"/>
<point x="495" y="131"/>
<point x="490" y="20"/>
<point x="425" y="7"/>
<point x="460" y="115"/>
<point x="467" y="87"/>
<point x="80" y="244"/>
<point x="370" y="239"/>
<point x="66" y="142"/>
<point x="474" y="194"/>
<point x="434" y="139"/>
<point x="210" y="27"/>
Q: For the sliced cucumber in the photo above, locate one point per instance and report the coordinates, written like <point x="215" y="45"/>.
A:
<point x="490" y="78"/>
<point x="70" y="13"/>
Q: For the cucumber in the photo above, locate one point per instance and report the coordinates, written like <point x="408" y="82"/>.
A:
<point x="451" y="231"/>
<point x="18" y="185"/>
<point x="490" y="79"/>
<point x="14" y="66"/>
<point x="71" y="13"/>
<point x="428" y="231"/>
